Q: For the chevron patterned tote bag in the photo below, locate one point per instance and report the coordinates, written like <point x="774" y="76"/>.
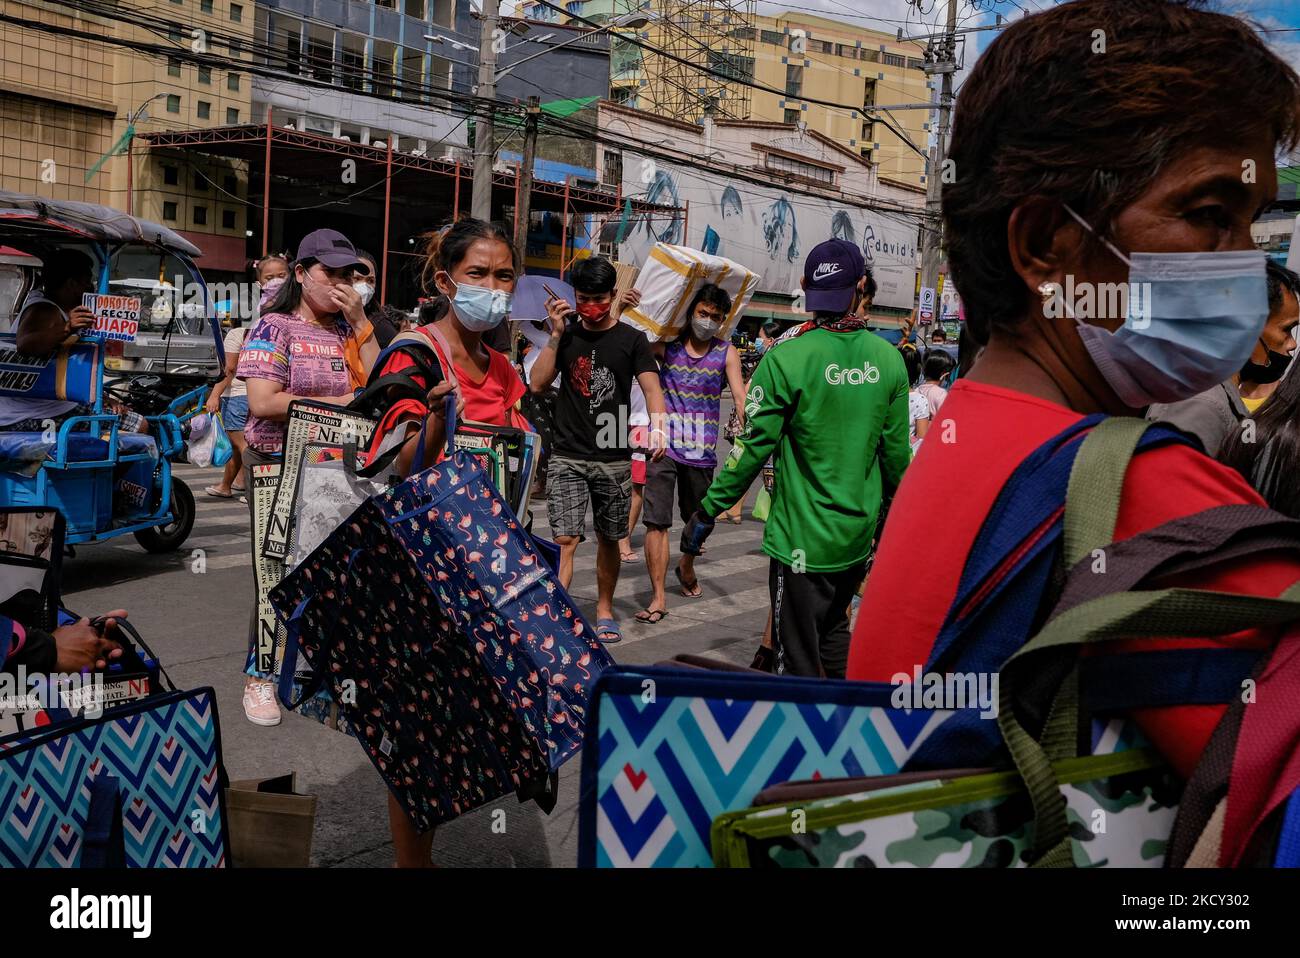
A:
<point x="164" y="753"/>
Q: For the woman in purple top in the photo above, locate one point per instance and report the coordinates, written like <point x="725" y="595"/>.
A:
<point x="300" y="348"/>
<point x="692" y="370"/>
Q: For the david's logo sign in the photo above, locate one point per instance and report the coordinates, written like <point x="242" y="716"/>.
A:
<point x="851" y="375"/>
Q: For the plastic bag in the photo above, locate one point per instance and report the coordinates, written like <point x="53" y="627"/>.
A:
<point x="222" y="450"/>
<point x="762" y="505"/>
<point x="203" y="440"/>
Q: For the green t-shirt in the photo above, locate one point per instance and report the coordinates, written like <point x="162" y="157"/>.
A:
<point x="831" y="408"/>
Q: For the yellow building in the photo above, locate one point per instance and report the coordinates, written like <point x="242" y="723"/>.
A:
<point x="65" y="100"/>
<point x="805" y="57"/>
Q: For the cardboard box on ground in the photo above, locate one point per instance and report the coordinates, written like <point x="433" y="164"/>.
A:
<point x="669" y="280"/>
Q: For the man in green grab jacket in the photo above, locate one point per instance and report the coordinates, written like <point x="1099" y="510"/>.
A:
<point x="831" y="406"/>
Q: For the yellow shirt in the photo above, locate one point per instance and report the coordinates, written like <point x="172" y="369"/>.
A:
<point x="1253" y="404"/>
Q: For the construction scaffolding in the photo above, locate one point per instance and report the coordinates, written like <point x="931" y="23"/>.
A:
<point x="715" y="35"/>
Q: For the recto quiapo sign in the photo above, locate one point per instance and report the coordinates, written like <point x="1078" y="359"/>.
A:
<point x="116" y="317"/>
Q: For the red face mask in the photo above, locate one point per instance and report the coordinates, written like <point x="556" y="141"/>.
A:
<point x="593" y="311"/>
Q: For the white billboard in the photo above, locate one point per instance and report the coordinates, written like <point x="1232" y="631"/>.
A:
<point x="766" y="228"/>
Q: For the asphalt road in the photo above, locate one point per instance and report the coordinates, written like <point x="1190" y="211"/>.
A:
<point x="196" y="622"/>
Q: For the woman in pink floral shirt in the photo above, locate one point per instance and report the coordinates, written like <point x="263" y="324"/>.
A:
<point x="306" y="345"/>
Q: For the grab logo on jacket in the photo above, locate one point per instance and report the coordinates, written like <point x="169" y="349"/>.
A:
<point x="838" y="375"/>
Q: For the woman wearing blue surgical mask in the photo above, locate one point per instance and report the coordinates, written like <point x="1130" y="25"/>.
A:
<point x="1079" y="173"/>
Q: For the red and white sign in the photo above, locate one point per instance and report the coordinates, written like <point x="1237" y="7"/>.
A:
<point x="116" y="317"/>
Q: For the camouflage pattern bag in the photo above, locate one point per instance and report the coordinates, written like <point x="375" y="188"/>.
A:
<point x="1120" y="807"/>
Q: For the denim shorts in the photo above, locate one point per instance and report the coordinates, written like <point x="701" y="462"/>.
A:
<point x="234" y="412"/>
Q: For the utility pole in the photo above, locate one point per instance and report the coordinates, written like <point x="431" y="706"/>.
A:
<point x="484" y="132"/>
<point x="526" y="177"/>
<point x="941" y="59"/>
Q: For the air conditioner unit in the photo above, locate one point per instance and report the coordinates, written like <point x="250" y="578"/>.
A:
<point x="379" y="144"/>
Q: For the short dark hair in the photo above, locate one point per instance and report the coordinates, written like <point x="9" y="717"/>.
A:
<point x="912" y="360"/>
<point x="937" y="365"/>
<point x="1173" y="75"/>
<point x="712" y="294"/>
<point x="938" y="333"/>
<point x="772" y="328"/>
<point x="870" y="285"/>
<point x="60" y="265"/>
<point x="1279" y="278"/>
<point x="594" y="276"/>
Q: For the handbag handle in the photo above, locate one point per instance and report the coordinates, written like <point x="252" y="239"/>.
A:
<point x="103" y="843"/>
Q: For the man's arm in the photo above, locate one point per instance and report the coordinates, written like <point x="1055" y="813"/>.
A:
<point x="655" y="408"/>
<point x="543" y="374"/>
<point x="895" y="436"/>
<point x="41" y="328"/>
<point x="736" y="382"/>
<point x="766" y="412"/>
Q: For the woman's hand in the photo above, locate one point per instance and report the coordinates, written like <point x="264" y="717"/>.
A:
<point x="348" y="302"/>
<point x="213" y="404"/>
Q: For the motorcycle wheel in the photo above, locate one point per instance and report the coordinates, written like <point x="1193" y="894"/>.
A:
<point x="170" y="537"/>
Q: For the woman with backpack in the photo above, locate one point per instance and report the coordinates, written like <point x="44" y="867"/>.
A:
<point x="1084" y="172"/>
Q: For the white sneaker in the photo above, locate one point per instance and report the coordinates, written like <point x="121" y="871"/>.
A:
<point x="260" y="706"/>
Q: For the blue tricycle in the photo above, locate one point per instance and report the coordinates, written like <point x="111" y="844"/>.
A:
<point x="106" y="480"/>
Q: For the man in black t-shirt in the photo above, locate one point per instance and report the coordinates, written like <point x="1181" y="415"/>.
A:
<point x="591" y="462"/>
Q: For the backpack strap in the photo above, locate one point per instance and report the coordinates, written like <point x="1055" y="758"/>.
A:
<point x="1157" y="614"/>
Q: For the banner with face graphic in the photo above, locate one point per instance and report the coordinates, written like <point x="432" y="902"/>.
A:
<point x="769" y="230"/>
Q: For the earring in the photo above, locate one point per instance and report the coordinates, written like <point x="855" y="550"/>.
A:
<point x="1047" y="290"/>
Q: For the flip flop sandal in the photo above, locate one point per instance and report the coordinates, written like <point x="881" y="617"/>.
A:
<point x="215" y="494"/>
<point x="606" y="627"/>
<point x="630" y="557"/>
<point x="691" y="591"/>
<point x="652" y="616"/>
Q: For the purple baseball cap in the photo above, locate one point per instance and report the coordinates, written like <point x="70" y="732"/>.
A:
<point x="331" y="248"/>
<point x="831" y="274"/>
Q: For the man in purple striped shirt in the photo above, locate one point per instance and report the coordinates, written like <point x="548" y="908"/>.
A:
<point x="691" y="370"/>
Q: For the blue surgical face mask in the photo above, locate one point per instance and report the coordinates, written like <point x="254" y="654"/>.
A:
<point x="479" y="308"/>
<point x="1192" y="321"/>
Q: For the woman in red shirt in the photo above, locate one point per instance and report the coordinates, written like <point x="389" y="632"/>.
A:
<point x="1070" y="164"/>
<point x="473" y="264"/>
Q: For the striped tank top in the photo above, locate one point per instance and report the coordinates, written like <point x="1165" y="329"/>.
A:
<point x="692" y="395"/>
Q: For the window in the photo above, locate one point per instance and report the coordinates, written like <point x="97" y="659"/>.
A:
<point x="173" y="103"/>
<point x="793" y="116"/>
<point x="232" y="82"/>
<point x="320" y="53"/>
<point x="846" y="50"/>
<point x="871" y="56"/>
<point x="734" y="67"/>
<point x="613" y="169"/>
<point x="173" y="67"/>
<point x="236" y="13"/>
<point x="413" y="73"/>
<point x="205" y="6"/>
<point x="353" y="62"/>
<point x="793" y="80"/>
<point x="205" y="109"/>
<point x="291" y="45"/>
<point x="414" y="8"/>
<point x="743" y="33"/>
<point x="171" y="176"/>
<point x="821" y="46"/>
<point x="200" y="216"/>
<point x="205" y="75"/>
<point x="232" y="116"/>
<point x="169" y="210"/>
<point x="915" y="64"/>
<point x="772" y="36"/>
<point x="792" y="167"/>
<point x="893" y="60"/>
<point x="200" y="184"/>
<point x="381" y="68"/>
<point x="174" y="32"/>
<point x="236" y="47"/>
<point x="228" y="219"/>
<point x="230" y="184"/>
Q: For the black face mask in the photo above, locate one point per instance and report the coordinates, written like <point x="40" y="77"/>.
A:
<point x="1269" y="372"/>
